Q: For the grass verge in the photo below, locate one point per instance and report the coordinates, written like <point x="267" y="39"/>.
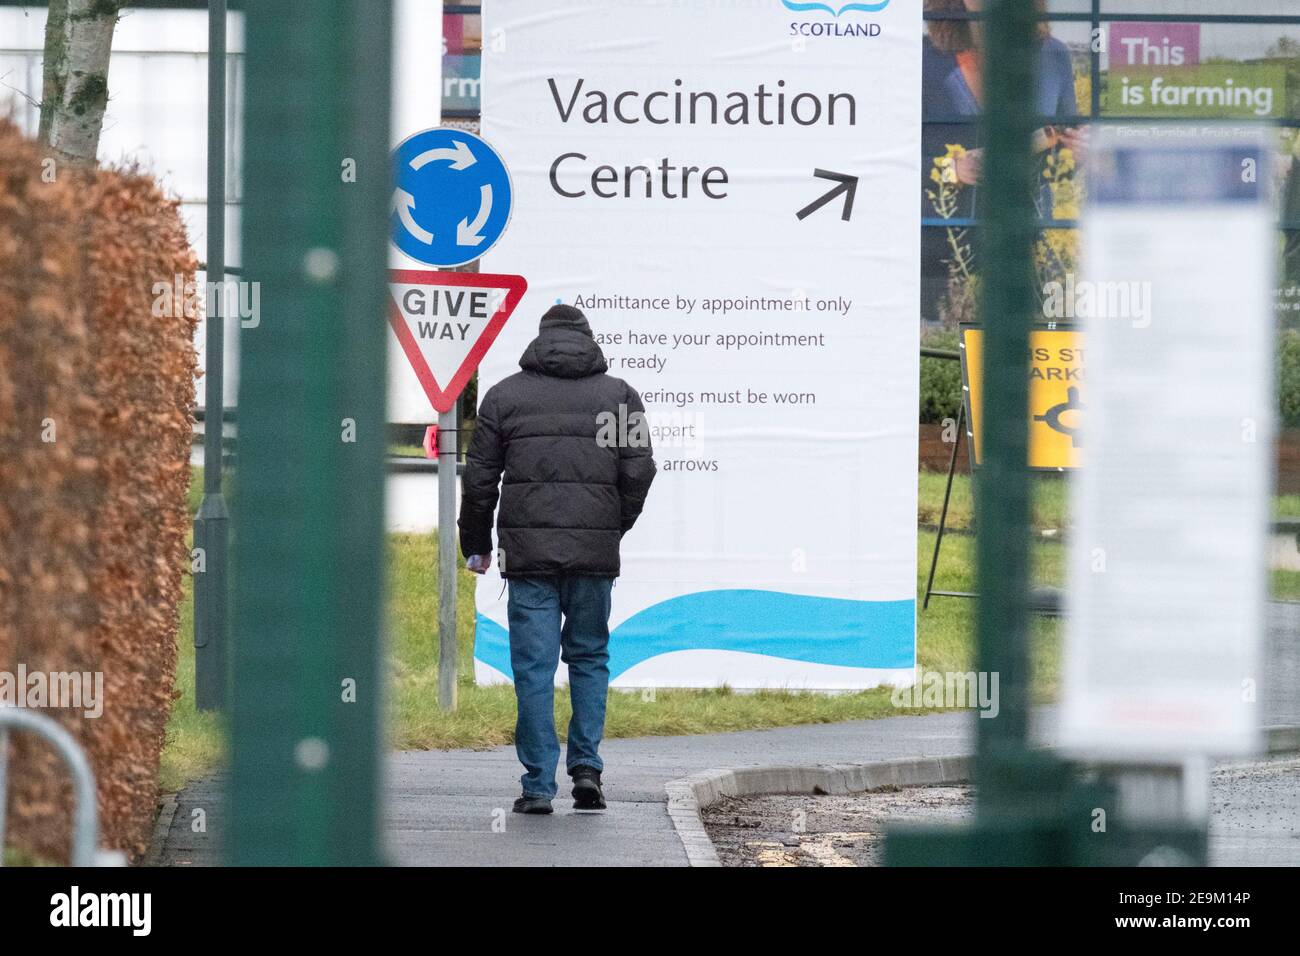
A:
<point x="485" y="716"/>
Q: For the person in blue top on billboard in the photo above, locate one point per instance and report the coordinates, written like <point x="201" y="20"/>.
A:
<point x="952" y="97"/>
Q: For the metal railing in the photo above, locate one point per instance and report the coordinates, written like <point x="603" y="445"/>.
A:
<point x="85" y="813"/>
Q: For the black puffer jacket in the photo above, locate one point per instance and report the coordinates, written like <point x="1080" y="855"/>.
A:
<point x="566" y="501"/>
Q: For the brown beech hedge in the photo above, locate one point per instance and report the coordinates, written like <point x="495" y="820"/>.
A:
<point x="96" y="397"/>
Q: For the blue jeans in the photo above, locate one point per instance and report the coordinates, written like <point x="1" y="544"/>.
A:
<point x="537" y="643"/>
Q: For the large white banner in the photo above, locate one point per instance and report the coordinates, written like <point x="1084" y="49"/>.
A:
<point x="667" y="161"/>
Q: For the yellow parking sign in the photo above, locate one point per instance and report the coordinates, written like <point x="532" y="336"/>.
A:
<point x="1056" y="394"/>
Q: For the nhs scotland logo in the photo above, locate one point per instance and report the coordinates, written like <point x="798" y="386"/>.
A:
<point x="835" y="27"/>
<point x="843" y="8"/>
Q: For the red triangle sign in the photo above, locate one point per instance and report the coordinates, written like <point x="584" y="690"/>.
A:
<point x="446" y="321"/>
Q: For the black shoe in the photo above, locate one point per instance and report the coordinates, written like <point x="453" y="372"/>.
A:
<point x="527" y="804"/>
<point x="587" y="794"/>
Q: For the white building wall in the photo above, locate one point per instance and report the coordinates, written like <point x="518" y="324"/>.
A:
<point x="157" y="115"/>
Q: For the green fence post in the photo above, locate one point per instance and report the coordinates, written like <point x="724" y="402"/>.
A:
<point x="306" y="694"/>
<point x="1031" y="808"/>
<point x="1020" y="796"/>
<point x="1007" y="304"/>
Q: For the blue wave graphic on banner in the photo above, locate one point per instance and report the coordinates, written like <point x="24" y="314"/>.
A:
<point x="800" y="627"/>
<point x="864" y="7"/>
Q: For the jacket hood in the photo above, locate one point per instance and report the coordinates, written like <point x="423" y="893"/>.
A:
<point x="564" y="352"/>
<point x="561" y="316"/>
<point x="564" y="347"/>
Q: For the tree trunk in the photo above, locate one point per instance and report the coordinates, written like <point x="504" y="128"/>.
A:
<point x="78" y="41"/>
<point x="55" y="64"/>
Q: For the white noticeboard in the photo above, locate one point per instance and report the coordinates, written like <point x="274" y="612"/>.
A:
<point x="1167" y="565"/>
<point x="662" y="155"/>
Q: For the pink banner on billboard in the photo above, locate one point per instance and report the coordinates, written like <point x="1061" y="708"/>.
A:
<point x="453" y="33"/>
<point x="1154" y="44"/>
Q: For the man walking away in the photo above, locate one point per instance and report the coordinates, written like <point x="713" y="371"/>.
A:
<point x="570" y="493"/>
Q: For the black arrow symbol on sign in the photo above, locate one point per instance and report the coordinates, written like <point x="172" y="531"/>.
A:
<point x="845" y="184"/>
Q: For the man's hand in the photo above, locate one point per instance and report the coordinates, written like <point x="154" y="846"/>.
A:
<point x="478" y="563"/>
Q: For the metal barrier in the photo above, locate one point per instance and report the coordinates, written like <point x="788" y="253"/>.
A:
<point x="85" y="816"/>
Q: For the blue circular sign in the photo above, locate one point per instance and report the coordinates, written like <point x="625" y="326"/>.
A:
<point x="452" y="199"/>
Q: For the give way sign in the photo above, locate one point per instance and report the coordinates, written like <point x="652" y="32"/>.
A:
<point x="446" y="322"/>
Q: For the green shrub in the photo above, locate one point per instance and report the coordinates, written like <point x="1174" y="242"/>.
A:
<point x="469" y="400"/>
<point x="940" y="380"/>
<point x="1288" y="384"/>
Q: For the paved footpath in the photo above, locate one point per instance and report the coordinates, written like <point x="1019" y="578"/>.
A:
<point x="448" y="807"/>
<point x="442" y="805"/>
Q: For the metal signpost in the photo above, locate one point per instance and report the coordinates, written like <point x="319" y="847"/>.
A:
<point x="447" y="563"/>
<point x="212" y="523"/>
<point x="451" y="202"/>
